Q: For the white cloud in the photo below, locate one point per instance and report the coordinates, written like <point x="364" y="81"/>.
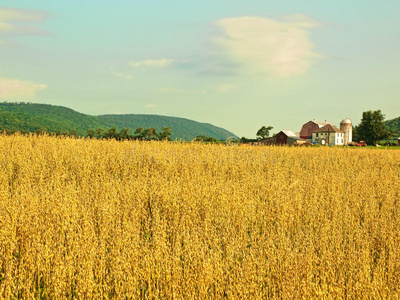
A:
<point x="24" y="15"/>
<point x="123" y="75"/>
<point x="265" y="46"/>
<point x="160" y="63"/>
<point x="18" y="22"/>
<point x="14" y="88"/>
<point x="151" y="105"/>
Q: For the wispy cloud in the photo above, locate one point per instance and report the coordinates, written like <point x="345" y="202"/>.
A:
<point x="19" y="22"/>
<point x="264" y="46"/>
<point x="160" y="63"/>
<point x="123" y="75"/>
<point x="151" y="105"/>
<point x="14" y="88"/>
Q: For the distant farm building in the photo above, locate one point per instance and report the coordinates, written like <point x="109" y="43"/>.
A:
<point x="347" y="127"/>
<point x="323" y="133"/>
<point x="331" y="135"/>
<point x="284" y="137"/>
<point x="308" y="128"/>
<point x="328" y="135"/>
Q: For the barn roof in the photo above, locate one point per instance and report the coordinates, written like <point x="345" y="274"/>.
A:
<point x="289" y="133"/>
<point x="328" y="128"/>
<point x="321" y="124"/>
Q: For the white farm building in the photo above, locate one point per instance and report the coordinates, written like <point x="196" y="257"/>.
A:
<point x="328" y="135"/>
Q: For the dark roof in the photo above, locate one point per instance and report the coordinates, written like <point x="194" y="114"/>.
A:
<point x="328" y="128"/>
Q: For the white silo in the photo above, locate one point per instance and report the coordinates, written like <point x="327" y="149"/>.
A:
<point x="347" y="126"/>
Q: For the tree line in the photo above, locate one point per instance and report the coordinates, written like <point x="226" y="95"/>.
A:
<point x="140" y="133"/>
<point x="147" y="134"/>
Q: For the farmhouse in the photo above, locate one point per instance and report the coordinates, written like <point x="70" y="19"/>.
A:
<point x="328" y="135"/>
<point x="308" y="128"/>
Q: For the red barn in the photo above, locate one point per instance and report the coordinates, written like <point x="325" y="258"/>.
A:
<point x="308" y="128"/>
<point x="284" y="137"/>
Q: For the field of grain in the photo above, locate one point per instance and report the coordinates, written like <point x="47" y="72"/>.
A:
<point x="91" y="219"/>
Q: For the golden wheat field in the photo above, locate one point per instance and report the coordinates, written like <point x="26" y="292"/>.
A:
<point x="96" y="219"/>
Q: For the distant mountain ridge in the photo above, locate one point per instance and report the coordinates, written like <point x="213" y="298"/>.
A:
<point x="394" y="124"/>
<point x="29" y="117"/>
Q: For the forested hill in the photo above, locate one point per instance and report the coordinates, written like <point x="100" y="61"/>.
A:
<point x="394" y="125"/>
<point x="29" y="117"/>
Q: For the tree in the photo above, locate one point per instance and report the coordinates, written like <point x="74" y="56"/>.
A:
<point x="124" y="134"/>
<point x="73" y="133"/>
<point x="205" y="139"/>
<point x="149" y="134"/>
<point x="99" y="132"/>
<point x="90" y="133"/>
<point x="355" y="134"/>
<point x="245" y="140"/>
<point x="139" y="133"/>
<point x="263" y="132"/>
<point x="165" y="134"/>
<point x="40" y="131"/>
<point x="372" y="127"/>
<point x="111" y="133"/>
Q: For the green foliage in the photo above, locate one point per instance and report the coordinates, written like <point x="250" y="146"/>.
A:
<point x="181" y="128"/>
<point x="30" y="117"/>
<point x="124" y="134"/>
<point x="245" y="140"/>
<point x="149" y="134"/>
<point x="111" y="133"/>
<point x="372" y="127"/>
<point x="394" y="126"/>
<point x="263" y="132"/>
<point x="91" y="133"/>
<point x="165" y="133"/>
<point x="99" y="133"/>
<point x="205" y="139"/>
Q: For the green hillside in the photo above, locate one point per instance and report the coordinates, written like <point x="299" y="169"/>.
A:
<point x="394" y="125"/>
<point x="29" y="117"/>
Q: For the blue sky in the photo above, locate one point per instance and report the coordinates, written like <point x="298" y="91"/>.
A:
<point x="236" y="64"/>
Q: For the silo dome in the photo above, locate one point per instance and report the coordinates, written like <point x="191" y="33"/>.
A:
<point x="346" y="121"/>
